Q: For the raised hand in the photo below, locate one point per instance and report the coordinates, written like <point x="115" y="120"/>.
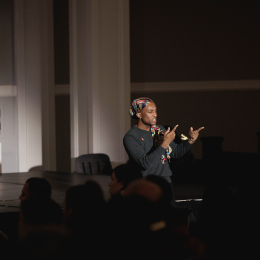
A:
<point x="169" y="136"/>
<point x="194" y="134"/>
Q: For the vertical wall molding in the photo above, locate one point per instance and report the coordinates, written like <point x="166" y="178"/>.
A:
<point x="95" y="78"/>
<point x="73" y="78"/>
<point x="100" y="81"/>
<point x="124" y="71"/>
<point x="0" y="158"/>
<point x="34" y="66"/>
<point x="19" y="37"/>
<point x="48" y="89"/>
<point x="77" y="37"/>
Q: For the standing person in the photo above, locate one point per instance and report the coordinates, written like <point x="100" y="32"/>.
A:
<point x="150" y="146"/>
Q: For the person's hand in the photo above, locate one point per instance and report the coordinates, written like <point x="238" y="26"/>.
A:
<point x="194" y="134"/>
<point x="169" y="136"/>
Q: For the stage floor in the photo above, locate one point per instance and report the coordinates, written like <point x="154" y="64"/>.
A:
<point x="11" y="185"/>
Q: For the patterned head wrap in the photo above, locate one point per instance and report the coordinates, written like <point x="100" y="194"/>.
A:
<point x="157" y="133"/>
<point x="138" y="105"/>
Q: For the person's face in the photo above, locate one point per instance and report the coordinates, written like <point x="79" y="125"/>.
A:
<point x="148" y="115"/>
<point x="25" y="193"/>
<point x="114" y="185"/>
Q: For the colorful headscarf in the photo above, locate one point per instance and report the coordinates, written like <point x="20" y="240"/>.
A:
<point x="138" y="105"/>
<point x="157" y="134"/>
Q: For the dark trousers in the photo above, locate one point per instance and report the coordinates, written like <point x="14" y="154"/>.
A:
<point x="173" y="194"/>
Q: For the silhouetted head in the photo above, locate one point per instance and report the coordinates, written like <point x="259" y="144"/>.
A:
<point x="122" y="176"/>
<point x="164" y="185"/>
<point x="36" y="188"/>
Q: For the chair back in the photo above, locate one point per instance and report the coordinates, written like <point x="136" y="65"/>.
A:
<point x="98" y="163"/>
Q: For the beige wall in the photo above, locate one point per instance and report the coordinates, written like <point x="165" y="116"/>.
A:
<point x="197" y="41"/>
<point x="61" y="41"/>
<point x="8" y="138"/>
<point x="174" y="41"/>
<point x="6" y="43"/>
<point x="191" y="41"/>
<point x="62" y="115"/>
<point x="194" y="40"/>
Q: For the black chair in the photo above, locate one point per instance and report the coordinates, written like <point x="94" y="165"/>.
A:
<point x="98" y="163"/>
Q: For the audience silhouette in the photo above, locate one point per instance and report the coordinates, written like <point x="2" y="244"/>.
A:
<point x="138" y="222"/>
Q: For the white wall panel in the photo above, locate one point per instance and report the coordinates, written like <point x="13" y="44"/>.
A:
<point x="100" y="77"/>
<point x="34" y="76"/>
